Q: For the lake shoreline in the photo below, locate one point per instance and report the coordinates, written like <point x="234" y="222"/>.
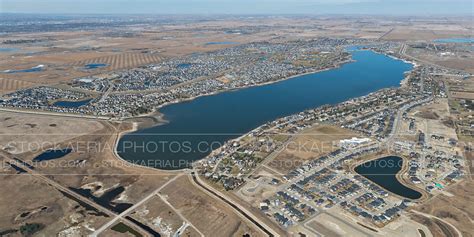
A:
<point x="162" y="120"/>
<point x="161" y="116"/>
<point x="400" y="175"/>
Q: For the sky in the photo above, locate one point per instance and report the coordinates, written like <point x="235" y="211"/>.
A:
<point x="317" y="7"/>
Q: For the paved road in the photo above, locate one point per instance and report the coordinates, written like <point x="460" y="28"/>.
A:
<point x="130" y="209"/>
<point x="237" y="207"/>
<point x="459" y="234"/>
<point x="386" y="33"/>
<point x="397" y="122"/>
<point x="272" y="156"/>
<point x="179" y="214"/>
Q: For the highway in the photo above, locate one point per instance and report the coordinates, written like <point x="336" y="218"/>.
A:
<point x="386" y="33"/>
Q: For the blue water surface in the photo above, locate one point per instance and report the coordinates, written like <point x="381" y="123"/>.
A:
<point x="95" y="65"/>
<point x="221" y="43"/>
<point x="204" y="123"/>
<point x="455" y="40"/>
<point x="71" y="104"/>
<point x="383" y="171"/>
<point x="52" y="154"/>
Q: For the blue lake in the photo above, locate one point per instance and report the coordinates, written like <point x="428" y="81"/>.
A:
<point x="71" y="104"/>
<point x="221" y="43"/>
<point x="95" y="65"/>
<point x="455" y="40"/>
<point x="183" y="65"/>
<point x="8" y="50"/>
<point x="38" y="68"/>
<point x="383" y="172"/>
<point x="198" y="126"/>
<point x="52" y="155"/>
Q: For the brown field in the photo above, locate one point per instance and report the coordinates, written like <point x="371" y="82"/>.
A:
<point x="30" y="200"/>
<point x="100" y="165"/>
<point x="462" y="95"/>
<point x="25" y="132"/>
<point x="460" y="64"/>
<point x="460" y="60"/>
<point x="157" y="211"/>
<point x="9" y="85"/>
<point x="470" y="161"/>
<point x="437" y="228"/>
<point x="426" y="30"/>
<point x="310" y="144"/>
<point x="65" y="56"/>
<point x="457" y="210"/>
<point x="408" y="34"/>
<point x="334" y="226"/>
<point x="437" y="110"/>
<point x="322" y="229"/>
<point x="91" y="164"/>
<point x="121" y="61"/>
<point x="62" y="67"/>
<point x="209" y="215"/>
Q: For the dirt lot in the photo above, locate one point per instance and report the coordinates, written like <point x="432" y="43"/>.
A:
<point x="160" y="215"/>
<point x="437" y="110"/>
<point x="257" y="189"/>
<point x="209" y="215"/>
<point x="310" y="144"/>
<point x="334" y="226"/>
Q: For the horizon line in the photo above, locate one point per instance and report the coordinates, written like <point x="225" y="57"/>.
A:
<point x="246" y="14"/>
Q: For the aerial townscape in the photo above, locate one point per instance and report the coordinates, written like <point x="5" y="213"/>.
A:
<point x="217" y="118"/>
